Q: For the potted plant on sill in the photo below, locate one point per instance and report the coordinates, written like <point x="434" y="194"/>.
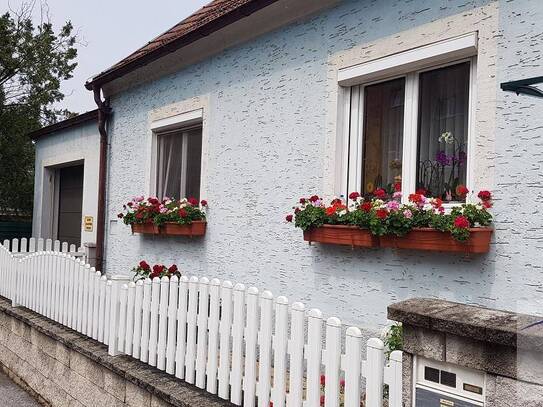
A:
<point x="381" y="220"/>
<point x="169" y="217"/>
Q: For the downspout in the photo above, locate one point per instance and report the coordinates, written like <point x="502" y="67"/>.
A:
<point x="103" y="113"/>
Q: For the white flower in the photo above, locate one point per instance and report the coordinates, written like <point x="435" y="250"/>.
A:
<point x="342" y="212"/>
<point x="447" y="137"/>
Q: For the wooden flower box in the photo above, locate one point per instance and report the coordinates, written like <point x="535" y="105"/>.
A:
<point x="341" y="235"/>
<point x="145" y="228"/>
<point x="196" y="228"/>
<point x="433" y="240"/>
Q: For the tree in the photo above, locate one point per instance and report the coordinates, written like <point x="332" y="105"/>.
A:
<point x="33" y="62"/>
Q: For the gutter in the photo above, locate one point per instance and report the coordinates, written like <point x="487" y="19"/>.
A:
<point x="104" y="112"/>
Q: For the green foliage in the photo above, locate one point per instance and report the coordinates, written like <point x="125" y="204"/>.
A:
<point x="310" y="217"/>
<point x="151" y="210"/>
<point x="33" y="62"/>
<point x="393" y="339"/>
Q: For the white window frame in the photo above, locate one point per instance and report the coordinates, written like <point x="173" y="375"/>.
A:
<point x="178" y="122"/>
<point x="409" y="65"/>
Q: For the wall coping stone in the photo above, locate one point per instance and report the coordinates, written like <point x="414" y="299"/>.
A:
<point x="164" y="386"/>
<point x="479" y="323"/>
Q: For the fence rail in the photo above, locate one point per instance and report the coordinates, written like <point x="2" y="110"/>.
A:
<point x="239" y="343"/>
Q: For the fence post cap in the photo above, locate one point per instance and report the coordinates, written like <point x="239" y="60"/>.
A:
<point x="156" y="280"/>
<point x="396" y="356"/>
<point x="215" y="281"/>
<point x="164" y="279"/>
<point x="184" y="279"/>
<point x="298" y="306"/>
<point x="227" y="284"/>
<point x="376" y="343"/>
<point x="204" y="280"/>
<point x="266" y="294"/>
<point x="354" y="332"/>
<point x="147" y="280"/>
<point x="333" y="321"/>
<point x="139" y="282"/>
<point x="252" y="291"/>
<point x="193" y="279"/>
<point x="314" y="313"/>
<point x="174" y="279"/>
<point x="281" y="300"/>
<point x="239" y="287"/>
<point x="131" y="284"/>
<point x="109" y="282"/>
<point x="103" y="278"/>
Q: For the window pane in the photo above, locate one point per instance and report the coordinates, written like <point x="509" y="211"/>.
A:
<point x="383" y="135"/>
<point x="443" y="131"/>
<point x="179" y="155"/>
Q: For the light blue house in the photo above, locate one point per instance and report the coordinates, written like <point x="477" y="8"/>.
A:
<point x="253" y="104"/>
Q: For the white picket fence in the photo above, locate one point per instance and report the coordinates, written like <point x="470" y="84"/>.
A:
<point x="21" y="247"/>
<point x="239" y="343"/>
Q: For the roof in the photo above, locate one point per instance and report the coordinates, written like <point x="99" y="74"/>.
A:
<point x="65" y="124"/>
<point x="210" y="18"/>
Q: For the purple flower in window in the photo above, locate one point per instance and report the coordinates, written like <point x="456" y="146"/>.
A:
<point x="443" y="158"/>
<point x="462" y="156"/>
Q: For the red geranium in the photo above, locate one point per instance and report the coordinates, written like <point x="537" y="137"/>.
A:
<point x="173" y="269"/>
<point x="437" y="202"/>
<point x="203" y="202"/>
<point x="354" y="196"/>
<point x="302" y="200"/>
<point x="398" y="186"/>
<point x="296" y="210"/>
<point x="366" y="206"/>
<point x="380" y="193"/>
<point x="421" y="191"/>
<point x="461" y="190"/>
<point x="487" y="204"/>
<point x="461" y="222"/>
<point x="182" y="212"/>
<point x="381" y="213"/>
<point x="415" y="198"/>
<point x="484" y="196"/>
<point x="336" y="201"/>
<point x="288" y="218"/>
<point x="120" y="215"/>
<point x="153" y="201"/>
<point x="144" y="265"/>
<point x="193" y="201"/>
<point x="314" y="198"/>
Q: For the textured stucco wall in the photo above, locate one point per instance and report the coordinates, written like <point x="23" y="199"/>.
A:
<point x="74" y="144"/>
<point x="271" y="119"/>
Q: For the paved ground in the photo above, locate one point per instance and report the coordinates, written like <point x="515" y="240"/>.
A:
<point x="12" y="395"/>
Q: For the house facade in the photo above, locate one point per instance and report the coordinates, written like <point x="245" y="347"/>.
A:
<point x="283" y="103"/>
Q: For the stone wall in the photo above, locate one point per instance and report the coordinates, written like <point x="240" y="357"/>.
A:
<point x="60" y="367"/>
<point x="506" y="346"/>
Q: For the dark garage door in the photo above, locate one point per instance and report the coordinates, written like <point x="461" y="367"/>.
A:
<point x="70" y="202"/>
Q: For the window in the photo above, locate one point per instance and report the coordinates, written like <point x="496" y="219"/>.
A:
<point x="178" y="162"/>
<point x="412" y="130"/>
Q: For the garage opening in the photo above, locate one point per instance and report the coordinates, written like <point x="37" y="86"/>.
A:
<point x="70" y="204"/>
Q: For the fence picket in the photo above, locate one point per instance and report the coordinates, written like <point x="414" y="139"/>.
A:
<point x="280" y="342"/>
<point x="202" y="320"/>
<point x="138" y="304"/>
<point x="153" y="333"/>
<point x="352" y="366"/>
<point x="394" y="371"/>
<point x="213" y="339"/>
<point x="48" y="245"/>
<point x="265" y="342"/>
<point x="32" y="245"/>
<point x="64" y="247"/>
<point x="172" y="319"/>
<point x="180" y="351"/>
<point x="162" y="323"/>
<point x="375" y="362"/>
<point x="40" y="246"/>
<point x="122" y="318"/>
<point x="332" y="362"/>
<point x="238" y="328"/>
<point x="130" y="305"/>
<point x="24" y="245"/>
<point x="56" y="246"/>
<point x="251" y="336"/>
<point x="146" y="320"/>
<point x="225" y="329"/>
<point x="190" y="358"/>
<point x="102" y="308"/>
<point x="296" y="350"/>
<point x="314" y="357"/>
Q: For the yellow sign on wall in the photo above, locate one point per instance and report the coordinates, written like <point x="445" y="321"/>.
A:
<point x="88" y="223"/>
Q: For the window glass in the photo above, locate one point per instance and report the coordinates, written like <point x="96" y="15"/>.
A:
<point x="383" y="135"/>
<point x="179" y="155"/>
<point x="443" y="132"/>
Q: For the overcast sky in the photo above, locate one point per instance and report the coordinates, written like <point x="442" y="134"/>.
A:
<point x="109" y="31"/>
